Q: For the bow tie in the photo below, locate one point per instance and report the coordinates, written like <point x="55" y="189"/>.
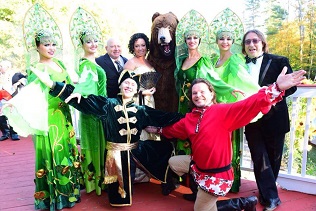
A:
<point x="253" y="60"/>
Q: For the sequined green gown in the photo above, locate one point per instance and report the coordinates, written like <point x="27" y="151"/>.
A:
<point x="48" y="119"/>
<point x="92" y="80"/>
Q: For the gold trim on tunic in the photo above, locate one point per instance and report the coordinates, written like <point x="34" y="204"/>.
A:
<point x="123" y="120"/>
<point x="118" y="108"/>
<point x="113" y="164"/>
<point x="123" y="131"/>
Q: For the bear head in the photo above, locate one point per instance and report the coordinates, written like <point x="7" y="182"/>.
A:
<point x="162" y="42"/>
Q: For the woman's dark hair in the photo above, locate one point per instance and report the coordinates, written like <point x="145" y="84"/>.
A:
<point x="265" y="47"/>
<point x="135" y="37"/>
<point x="37" y="42"/>
<point x="209" y="85"/>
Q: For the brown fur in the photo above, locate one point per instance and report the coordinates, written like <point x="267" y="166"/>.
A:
<point x="161" y="57"/>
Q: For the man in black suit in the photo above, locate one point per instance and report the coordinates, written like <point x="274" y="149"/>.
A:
<point x="112" y="62"/>
<point x="266" y="136"/>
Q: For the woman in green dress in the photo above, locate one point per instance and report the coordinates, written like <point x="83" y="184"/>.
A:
<point x="87" y="38"/>
<point x="48" y="119"/>
<point x="226" y="32"/>
<point x="92" y="80"/>
<point x="231" y="68"/>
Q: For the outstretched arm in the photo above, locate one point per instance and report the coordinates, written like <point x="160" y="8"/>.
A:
<point x="91" y="105"/>
<point x="45" y="78"/>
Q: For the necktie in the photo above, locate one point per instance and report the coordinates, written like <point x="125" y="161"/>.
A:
<point x="119" y="66"/>
<point x="253" y="60"/>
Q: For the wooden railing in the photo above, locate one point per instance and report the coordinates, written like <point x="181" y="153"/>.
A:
<point x="289" y="177"/>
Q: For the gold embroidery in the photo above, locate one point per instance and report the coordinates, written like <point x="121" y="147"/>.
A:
<point x="118" y="108"/>
<point x="123" y="131"/>
<point x="122" y="120"/>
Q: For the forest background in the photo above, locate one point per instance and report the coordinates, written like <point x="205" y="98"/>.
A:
<point x="288" y="24"/>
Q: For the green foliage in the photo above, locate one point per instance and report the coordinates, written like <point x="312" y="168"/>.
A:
<point x="274" y="22"/>
<point x="6" y="14"/>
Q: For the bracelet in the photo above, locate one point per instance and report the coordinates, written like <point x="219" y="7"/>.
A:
<point x="62" y="90"/>
<point x="159" y="130"/>
<point x="277" y="87"/>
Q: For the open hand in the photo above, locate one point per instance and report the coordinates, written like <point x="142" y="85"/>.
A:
<point x="286" y="81"/>
<point x="72" y="96"/>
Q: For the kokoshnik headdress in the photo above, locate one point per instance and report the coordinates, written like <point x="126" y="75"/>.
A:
<point x="38" y="24"/>
<point x="226" y="23"/>
<point x="83" y="27"/>
<point x="192" y="23"/>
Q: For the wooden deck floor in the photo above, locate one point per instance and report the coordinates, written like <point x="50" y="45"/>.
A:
<point x="17" y="188"/>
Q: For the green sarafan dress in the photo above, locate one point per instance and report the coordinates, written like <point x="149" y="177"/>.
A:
<point x="234" y="72"/>
<point x="92" y="80"/>
<point x="57" y="160"/>
<point x="203" y="68"/>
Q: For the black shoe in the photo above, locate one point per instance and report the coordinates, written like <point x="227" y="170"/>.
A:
<point x="15" y="137"/>
<point x="167" y="188"/>
<point x="190" y="196"/>
<point x="242" y="203"/>
<point x="250" y="203"/>
<point x="4" y="137"/>
<point x="273" y="203"/>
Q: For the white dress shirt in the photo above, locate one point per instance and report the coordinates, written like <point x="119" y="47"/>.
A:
<point x="254" y="69"/>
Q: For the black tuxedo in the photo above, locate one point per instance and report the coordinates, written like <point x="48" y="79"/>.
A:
<point x="112" y="75"/>
<point x="266" y="136"/>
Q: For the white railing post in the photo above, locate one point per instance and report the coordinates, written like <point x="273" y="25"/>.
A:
<point x="292" y="135"/>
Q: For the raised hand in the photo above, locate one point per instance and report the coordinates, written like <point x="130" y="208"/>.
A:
<point x="43" y="76"/>
<point x="286" y="81"/>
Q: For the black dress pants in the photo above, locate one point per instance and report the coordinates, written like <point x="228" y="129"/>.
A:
<point x="266" y="152"/>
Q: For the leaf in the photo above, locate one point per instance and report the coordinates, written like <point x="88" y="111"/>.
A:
<point x="72" y="199"/>
<point x="63" y="180"/>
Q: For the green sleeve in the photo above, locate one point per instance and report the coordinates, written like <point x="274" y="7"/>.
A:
<point x="222" y="89"/>
<point x="88" y="79"/>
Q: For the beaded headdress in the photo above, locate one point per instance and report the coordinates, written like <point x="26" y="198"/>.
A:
<point x="192" y="23"/>
<point x="38" y="24"/>
<point x="83" y="27"/>
<point x="226" y="23"/>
